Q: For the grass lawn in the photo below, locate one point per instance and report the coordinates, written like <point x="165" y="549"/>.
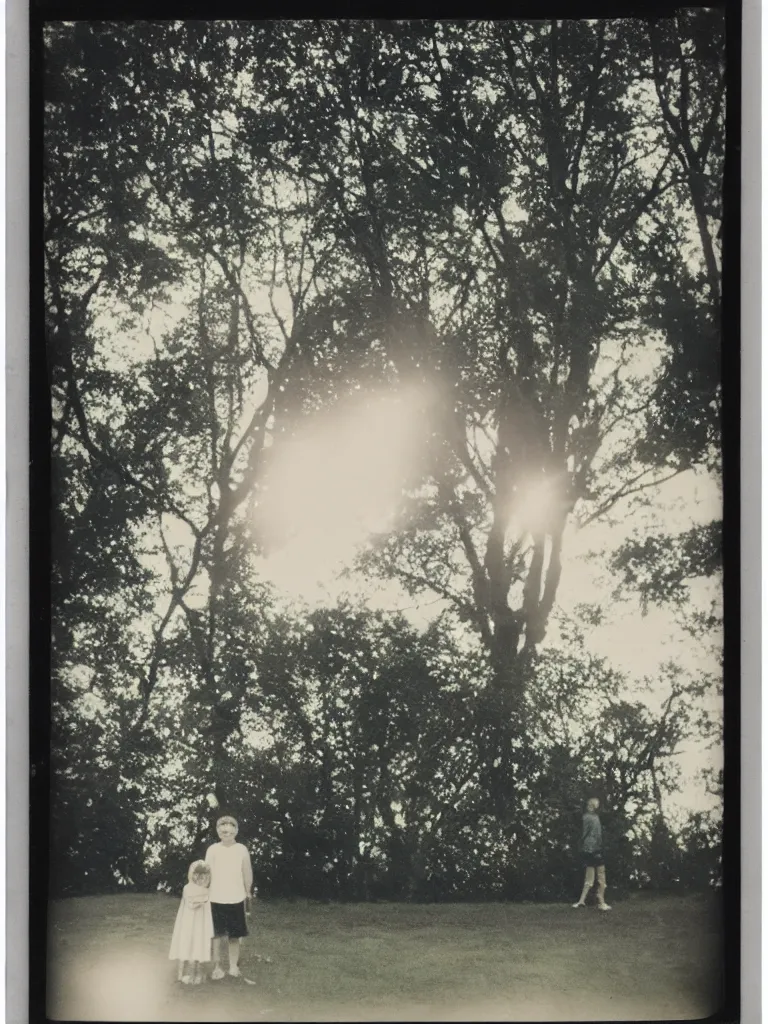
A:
<point x="650" y="958"/>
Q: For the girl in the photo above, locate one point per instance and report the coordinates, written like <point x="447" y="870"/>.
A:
<point x="592" y="855"/>
<point x="193" y="931"/>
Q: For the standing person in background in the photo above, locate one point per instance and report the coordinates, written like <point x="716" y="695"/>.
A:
<point x="592" y="855"/>
<point x="231" y="887"/>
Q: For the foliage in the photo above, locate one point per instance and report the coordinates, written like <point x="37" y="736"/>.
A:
<point x="367" y="775"/>
<point x="246" y="223"/>
<point x="658" y="567"/>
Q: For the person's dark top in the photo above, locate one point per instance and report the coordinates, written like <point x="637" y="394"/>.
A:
<point x="591" y="833"/>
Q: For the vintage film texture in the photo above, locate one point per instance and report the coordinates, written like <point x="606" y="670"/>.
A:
<point x="386" y="396"/>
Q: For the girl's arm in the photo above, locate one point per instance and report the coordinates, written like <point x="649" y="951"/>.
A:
<point x="193" y="897"/>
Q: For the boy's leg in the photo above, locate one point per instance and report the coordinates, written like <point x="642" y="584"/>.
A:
<point x="601" y="884"/>
<point x="234" y="956"/>
<point x="589" y="881"/>
<point x="217" y="950"/>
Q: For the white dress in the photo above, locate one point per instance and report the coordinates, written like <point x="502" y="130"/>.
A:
<point x="193" y="930"/>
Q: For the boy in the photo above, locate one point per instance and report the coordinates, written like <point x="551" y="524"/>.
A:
<point x="592" y="855"/>
<point x="230" y="893"/>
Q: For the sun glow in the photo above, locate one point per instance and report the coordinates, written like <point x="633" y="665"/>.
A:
<point x="335" y="483"/>
<point x="535" y="505"/>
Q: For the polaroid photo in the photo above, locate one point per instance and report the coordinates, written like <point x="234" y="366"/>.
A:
<point x="383" y="532"/>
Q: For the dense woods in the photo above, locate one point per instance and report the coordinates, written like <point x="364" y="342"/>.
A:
<point x="505" y="237"/>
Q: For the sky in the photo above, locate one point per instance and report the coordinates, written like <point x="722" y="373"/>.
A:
<point x="333" y="505"/>
<point x="340" y="481"/>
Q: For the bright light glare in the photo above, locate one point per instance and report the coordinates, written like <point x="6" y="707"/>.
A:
<point x="123" y="984"/>
<point x="534" y="505"/>
<point x="337" y="483"/>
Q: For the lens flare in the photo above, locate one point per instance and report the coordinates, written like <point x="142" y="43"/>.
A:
<point x="124" y="984"/>
<point x="336" y="482"/>
<point x="535" y="504"/>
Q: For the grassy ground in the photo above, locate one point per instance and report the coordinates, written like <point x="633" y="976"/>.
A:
<point x="650" y="958"/>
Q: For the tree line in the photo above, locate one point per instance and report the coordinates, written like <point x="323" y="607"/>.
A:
<point x="247" y="221"/>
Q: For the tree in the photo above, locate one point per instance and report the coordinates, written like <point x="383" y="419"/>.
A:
<point x="278" y="215"/>
<point x="180" y="471"/>
<point x="683" y="419"/>
<point x="518" y="366"/>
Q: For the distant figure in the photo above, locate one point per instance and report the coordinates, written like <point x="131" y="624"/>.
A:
<point x="592" y="855"/>
<point x="193" y="931"/>
<point x="231" y="887"/>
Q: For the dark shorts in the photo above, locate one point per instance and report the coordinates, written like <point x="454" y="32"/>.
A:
<point x="592" y="860"/>
<point x="229" y="919"/>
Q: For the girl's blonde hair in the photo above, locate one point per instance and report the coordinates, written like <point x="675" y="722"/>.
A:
<point x="198" y="868"/>
<point x="593" y="803"/>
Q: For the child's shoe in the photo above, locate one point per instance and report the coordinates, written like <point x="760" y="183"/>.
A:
<point x="603" y="906"/>
<point x="217" y="974"/>
<point x="234" y="972"/>
<point x="575" y="905"/>
<point x="186" y="980"/>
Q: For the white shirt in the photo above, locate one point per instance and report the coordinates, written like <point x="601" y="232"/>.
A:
<point x="227" y="865"/>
